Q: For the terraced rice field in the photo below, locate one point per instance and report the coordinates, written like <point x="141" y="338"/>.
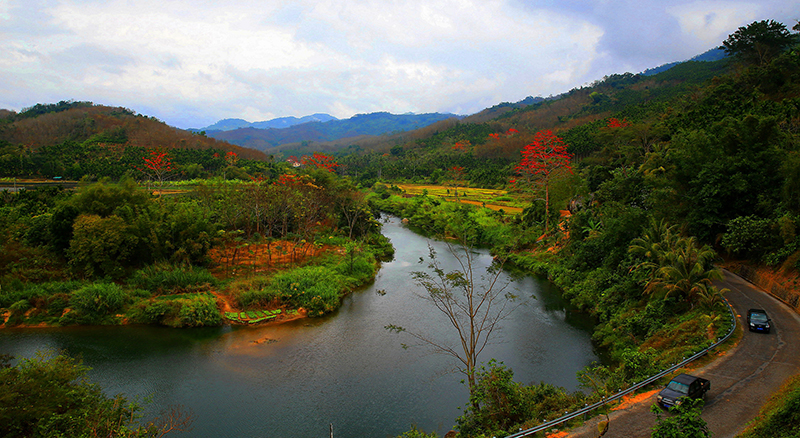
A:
<point x="489" y="198"/>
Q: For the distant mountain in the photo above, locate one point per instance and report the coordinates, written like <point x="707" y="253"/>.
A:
<point x="710" y="56"/>
<point x="286" y="122"/>
<point x="319" y="131"/>
<point x="225" y="125"/>
<point x="279" y="123"/>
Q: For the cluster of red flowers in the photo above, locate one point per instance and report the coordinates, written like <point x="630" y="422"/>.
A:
<point x="320" y="161"/>
<point x="546" y="153"/>
<point x="231" y="158"/>
<point x="158" y="162"/>
<point x="289" y="179"/>
<point x="616" y="123"/>
<point x="462" y="145"/>
<point x="509" y="133"/>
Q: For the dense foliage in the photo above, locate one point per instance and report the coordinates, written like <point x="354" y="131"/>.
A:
<point x="50" y="396"/>
<point x="131" y="255"/>
<point x="662" y="186"/>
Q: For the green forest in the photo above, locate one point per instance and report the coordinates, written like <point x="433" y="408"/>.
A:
<point x="634" y="190"/>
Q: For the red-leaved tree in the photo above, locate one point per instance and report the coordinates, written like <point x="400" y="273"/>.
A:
<point x="547" y="153"/>
<point x="456" y="173"/>
<point x="157" y="167"/>
<point x="320" y="161"/>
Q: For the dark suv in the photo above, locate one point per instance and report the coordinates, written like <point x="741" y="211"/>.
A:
<point x="682" y="385"/>
<point x="758" y="321"/>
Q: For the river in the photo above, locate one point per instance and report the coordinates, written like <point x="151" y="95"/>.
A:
<point x="298" y="378"/>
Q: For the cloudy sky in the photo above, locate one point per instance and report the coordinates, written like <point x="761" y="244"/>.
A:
<point x="191" y="63"/>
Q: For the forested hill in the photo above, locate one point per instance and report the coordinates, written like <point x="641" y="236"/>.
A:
<point x="87" y="123"/>
<point x="74" y="139"/>
<point x="578" y="115"/>
<point x="702" y="144"/>
<point x="359" y="125"/>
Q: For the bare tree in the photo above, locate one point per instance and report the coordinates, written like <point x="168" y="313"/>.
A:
<point x="473" y="307"/>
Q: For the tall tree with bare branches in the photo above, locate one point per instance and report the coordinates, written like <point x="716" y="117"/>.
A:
<point x="473" y="307"/>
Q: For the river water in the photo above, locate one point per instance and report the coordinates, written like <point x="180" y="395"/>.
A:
<point x="298" y="378"/>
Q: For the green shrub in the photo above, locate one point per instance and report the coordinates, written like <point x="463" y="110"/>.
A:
<point x="355" y="270"/>
<point x="780" y="416"/>
<point x="416" y="433"/>
<point x="20" y="306"/>
<point x="186" y="310"/>
<point x="198" y="311"/>
<point x="152" y="311"/>
<point x="258" y="297"/>
<point x="316" y="288"/>
<point x="97" y="300"/>
<point x="166" y="278"/>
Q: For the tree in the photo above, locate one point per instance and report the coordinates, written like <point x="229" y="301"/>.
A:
<point x="158" y="167"/>
<point x="473" y="307"/>
<point x="101" y="246"/>
<point x="547" y="153"/>
<point x="320" y="161"/>
<point x="456" y="174"/>
<point x="759" y="42"/>
<point x="684" y="423"/>
<point x="686" y="272"/>
<point x="50" y="395"/>
<point x="656" y="241"/>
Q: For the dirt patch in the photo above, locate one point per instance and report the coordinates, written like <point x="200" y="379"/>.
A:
<point x="251" y="259"/>
<point x="632" y="399"/>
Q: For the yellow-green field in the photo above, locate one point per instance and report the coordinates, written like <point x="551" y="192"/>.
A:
<point x="490" y="198"/>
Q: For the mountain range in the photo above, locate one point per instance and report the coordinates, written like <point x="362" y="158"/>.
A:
<point x="278" y="123"/>
<point x="374" y="124"/>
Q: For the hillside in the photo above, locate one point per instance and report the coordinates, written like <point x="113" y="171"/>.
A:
<point x="359" y="125"/>
<point x="85" y="122"/>
<point x="73" y="139"/>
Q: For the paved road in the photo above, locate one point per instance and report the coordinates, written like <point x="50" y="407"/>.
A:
<point x="741" y="380"/>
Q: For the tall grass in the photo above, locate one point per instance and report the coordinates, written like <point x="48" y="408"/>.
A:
<point x="165" y="278"/>
<point x="183" y="310"/>
<point x="95" y="303"/>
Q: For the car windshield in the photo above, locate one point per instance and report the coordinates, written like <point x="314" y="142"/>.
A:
<point x="758" y="317"/>
<point x="678" y="387"/>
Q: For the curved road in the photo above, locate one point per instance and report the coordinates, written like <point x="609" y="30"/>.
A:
<point x="741" y="380"/>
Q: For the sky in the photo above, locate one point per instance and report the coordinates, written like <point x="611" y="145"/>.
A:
<point x="192" y="63"/>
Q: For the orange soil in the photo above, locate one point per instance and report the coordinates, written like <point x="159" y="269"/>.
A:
<point x="254" y="259"/>
<point x="630" y="400"/>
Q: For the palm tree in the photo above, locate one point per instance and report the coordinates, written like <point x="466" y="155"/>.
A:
<point x="687" y="272"/>
<point x="659" y="239"/>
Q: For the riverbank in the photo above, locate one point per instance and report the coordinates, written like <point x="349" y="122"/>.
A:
<point x="290" y="280"/>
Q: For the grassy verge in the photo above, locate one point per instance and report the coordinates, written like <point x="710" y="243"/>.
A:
<point x="780" y="416"/>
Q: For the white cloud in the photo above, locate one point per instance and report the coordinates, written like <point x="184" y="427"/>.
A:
<point x="711" y="22"/>
<point x="191" y="63"/>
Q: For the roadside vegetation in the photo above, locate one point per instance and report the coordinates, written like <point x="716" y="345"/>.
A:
<point x="780" y="416"/>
